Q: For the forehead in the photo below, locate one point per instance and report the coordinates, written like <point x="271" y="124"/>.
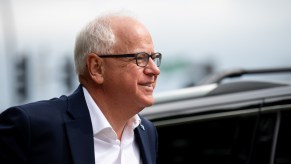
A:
<point x="131" y="35"/>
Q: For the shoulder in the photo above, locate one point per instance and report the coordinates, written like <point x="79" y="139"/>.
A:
<point x="34" y="119"/>
<point x="49" y="106"/>
<point x="46" y="106"/>
<point x="36" y="110"/>
<point x="46" y="110"/>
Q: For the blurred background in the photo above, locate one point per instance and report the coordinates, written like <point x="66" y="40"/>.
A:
<point x="196" y="37"/>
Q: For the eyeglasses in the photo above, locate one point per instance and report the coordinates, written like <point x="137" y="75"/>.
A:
<point x="141" y="58"/>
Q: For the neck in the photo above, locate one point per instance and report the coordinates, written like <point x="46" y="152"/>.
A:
<point x="116" y="113"/>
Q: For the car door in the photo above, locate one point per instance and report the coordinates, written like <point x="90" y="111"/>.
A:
<point x="220" y="133"/>
<point x="274" y="131"/>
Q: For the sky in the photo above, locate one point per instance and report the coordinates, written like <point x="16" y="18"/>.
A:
<point x="236" y="33"/>
<point x="230" y="34"/>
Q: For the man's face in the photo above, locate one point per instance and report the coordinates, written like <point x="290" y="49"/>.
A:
<point x="123" y="79"/>
<point x="130" y="83"/>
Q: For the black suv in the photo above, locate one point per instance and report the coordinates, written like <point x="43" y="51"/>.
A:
<point x="226" y="121"/>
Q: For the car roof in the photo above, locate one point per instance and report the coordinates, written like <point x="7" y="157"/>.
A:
<point x="200" y="98"/>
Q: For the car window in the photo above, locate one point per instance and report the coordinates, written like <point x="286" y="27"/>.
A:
<point x="220" y="141"/>
<point x="280" y="108"/>
<point x="263" y="138"/>
<point x="283" y="148"/>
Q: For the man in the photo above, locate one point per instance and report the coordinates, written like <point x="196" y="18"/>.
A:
<point x="99" y="123"/>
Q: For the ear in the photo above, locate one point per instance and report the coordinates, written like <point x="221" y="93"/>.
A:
<point x="95" y="68"/>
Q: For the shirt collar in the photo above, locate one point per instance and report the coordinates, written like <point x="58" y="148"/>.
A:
<point x="97" y="117"/>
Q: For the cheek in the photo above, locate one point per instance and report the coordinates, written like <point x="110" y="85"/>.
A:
<point x="132" y="70"/>
<point x="124" y="77"/>
<point x="127" y="77"/>
<point x="132" y="77"/>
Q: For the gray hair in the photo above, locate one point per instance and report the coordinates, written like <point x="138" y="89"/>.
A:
<point x="96" y="37"/>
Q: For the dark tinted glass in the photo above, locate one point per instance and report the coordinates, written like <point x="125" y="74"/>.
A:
<point x="283" y="149"/>
<point x="220" y="141"/>
<point x="263" y="139"/>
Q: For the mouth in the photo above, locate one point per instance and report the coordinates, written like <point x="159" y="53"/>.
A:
<point x="148" y="86"/>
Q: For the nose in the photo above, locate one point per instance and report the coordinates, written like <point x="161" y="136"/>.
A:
<point x="152" y="68"/>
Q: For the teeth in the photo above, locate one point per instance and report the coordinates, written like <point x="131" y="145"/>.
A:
<point x="147" y="84"/>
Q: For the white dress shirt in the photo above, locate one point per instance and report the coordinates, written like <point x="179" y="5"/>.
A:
<point x="107" y="147"/>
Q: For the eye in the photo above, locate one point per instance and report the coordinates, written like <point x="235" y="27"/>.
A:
<point x="141" y="56"/>
<point x="142" y="59"/>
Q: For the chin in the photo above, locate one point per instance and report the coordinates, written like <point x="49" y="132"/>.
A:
<point x="149" y="102"/>
<point x="145" y="100"/>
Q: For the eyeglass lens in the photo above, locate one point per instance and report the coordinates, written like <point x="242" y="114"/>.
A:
<point x="142" y="59"/>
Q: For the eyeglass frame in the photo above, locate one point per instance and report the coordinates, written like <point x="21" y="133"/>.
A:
<point x="135" y="55"/>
